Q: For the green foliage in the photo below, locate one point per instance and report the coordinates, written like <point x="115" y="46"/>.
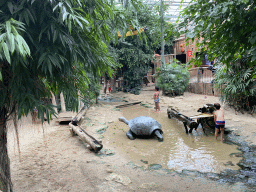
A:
<point x="11" y="40"/>
<point x="135" y="53"/>
<point x="133" y="79"/>
<point x="173" y="79"/>
<point x="53" y="45"/>
<point x="228" y="32"/>
<point x="227" y="27"/>
<point x="237" y="86"/>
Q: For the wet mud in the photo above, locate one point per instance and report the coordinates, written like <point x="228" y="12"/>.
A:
<point x="232" y="161"/>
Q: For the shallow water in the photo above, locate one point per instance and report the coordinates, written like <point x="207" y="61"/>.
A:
<point x="178" y="151"/>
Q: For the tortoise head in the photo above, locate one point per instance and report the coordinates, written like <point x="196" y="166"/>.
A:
<point x="122" y="119"/>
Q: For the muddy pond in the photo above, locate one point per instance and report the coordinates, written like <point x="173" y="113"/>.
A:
<point x="179" y="151"/>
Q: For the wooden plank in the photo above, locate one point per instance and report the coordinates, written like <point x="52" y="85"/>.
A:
<point x="187" y="121"/>
<point x="95" y="145"/>
<point x="59" y="119"/>
<point x="128" y="104"/>
<point x="202" y="115"/>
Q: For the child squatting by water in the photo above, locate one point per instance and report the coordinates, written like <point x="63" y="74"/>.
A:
<point x="219" y="121"/>
<point x="156" y="99"/>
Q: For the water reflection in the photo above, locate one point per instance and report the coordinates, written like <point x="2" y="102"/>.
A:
<point x="184" y="157"/>
<point x="178" y="151"/>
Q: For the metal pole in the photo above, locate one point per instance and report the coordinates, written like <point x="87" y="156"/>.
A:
<point x="162" y="33"/>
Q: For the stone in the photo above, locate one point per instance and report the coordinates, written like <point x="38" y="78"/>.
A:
<point x="213" y="176"/>
<point x="124" y="180"/>
<point x="109" y="171"/>
<point x="155" y="166"/>
<point x="146" y="162"/>
<point x="252" y="181"/>
<point x="229" y="163"/>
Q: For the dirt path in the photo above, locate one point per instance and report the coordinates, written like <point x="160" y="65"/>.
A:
<point x="56" y="161"/>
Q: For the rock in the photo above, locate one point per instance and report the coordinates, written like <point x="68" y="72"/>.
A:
<point x="109" y="171"/>
<point x="252" y="181"/>
<point x="213" y="176"/>
<point x="247" y="173"/>
<point x="148" y="185"/>
<point x="236" y="155"/>
<point x="109" y="152"/>
<point x="119" y="179"/>
<point x="146" y="162"/>
<point x="155" y="166"/>
<point x="229" y="163"/>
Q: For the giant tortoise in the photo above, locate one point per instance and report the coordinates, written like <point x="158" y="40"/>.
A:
<point x="143" y="127"/>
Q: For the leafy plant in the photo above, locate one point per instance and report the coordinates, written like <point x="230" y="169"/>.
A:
<point x="173" y="79"/>
<point x="226" y="28"/>
<point x="48" y="46"/>
<point x="237" y="85"/>
<point x="134" y="53"/>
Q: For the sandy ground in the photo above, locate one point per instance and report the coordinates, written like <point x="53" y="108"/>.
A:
<point x="52" y="160"/>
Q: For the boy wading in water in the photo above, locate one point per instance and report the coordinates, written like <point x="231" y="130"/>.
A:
<point x="219" y="121"/>
<point x="156" y="99"/>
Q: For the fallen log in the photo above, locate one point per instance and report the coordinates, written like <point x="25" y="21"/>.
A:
<point x="188" y="122"/>
<point x="79" y="116"/>
<point x="128" y="104"/>
<point x="94" y="144"/>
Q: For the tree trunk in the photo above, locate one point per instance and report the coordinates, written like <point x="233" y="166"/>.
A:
<point x="85" y="137"/>
<point x="105" y="84"/>
<point x="113" y="85"/>
<point x="62" y="102"/>
<point x="54" y="102"/>
<point x="80" y="102"/>
<point x="5" y="175"/>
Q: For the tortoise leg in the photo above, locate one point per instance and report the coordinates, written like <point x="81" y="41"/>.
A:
<point x="158" y="135"/>
<point x="130" y="135"/>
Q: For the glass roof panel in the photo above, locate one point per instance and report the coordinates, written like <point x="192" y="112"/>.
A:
<point x="174" y="7"/>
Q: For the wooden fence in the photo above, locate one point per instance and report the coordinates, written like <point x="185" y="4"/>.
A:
<point x="201" y="81"/>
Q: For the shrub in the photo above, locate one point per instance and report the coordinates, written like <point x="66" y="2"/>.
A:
<point x="173" y="79"/>
<point x="238" y="85"/>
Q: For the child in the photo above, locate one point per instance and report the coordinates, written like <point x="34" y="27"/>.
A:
<point x="109" y="87"/>
<point x="34" y="115"/>
<point x="156" y="99"/>
<point x="219" y="121"/>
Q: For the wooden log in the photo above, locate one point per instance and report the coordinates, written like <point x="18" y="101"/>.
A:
<point x="79" y="115"/>
<point x="192" y="124"/>
<point x="95" y="145"/>
<point x="128" y="104"/>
